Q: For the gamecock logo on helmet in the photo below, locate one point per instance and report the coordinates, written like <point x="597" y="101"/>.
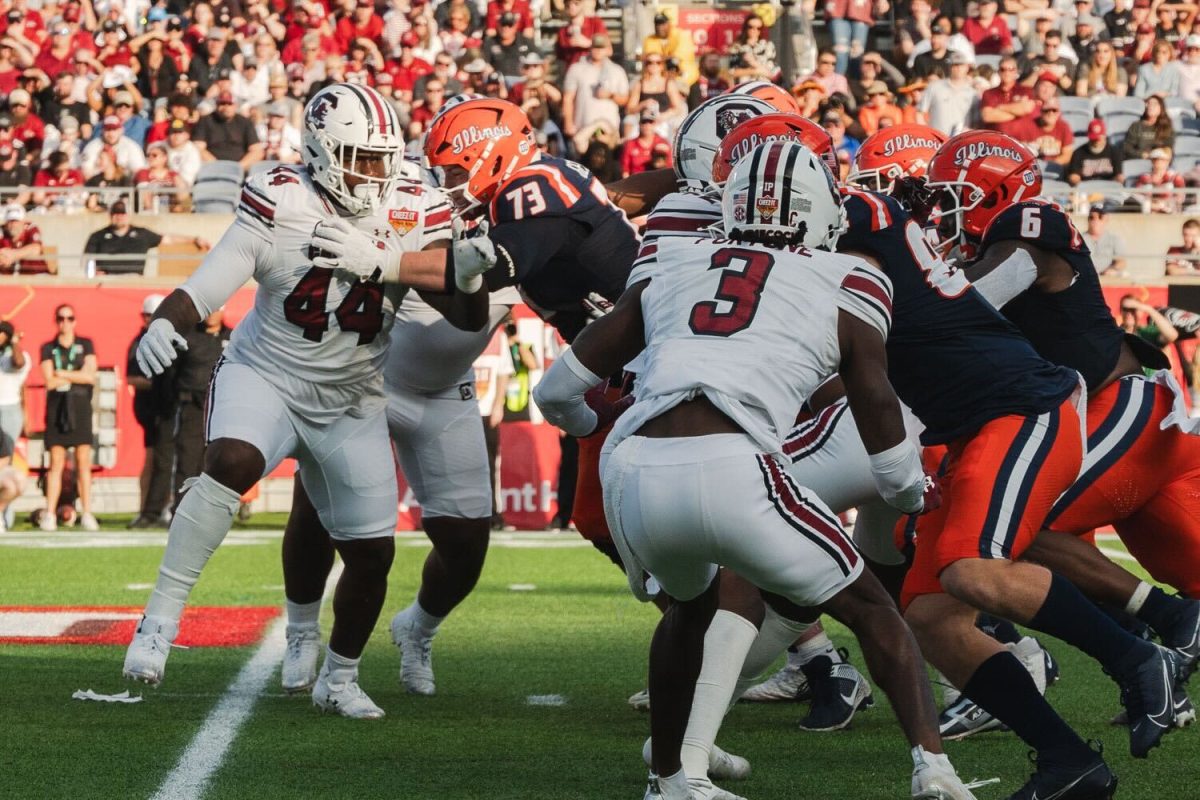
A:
<point x="473" y="135"/>
<point x="320" y="109"/>
<point x="977" y="150"/>
<point x="730" y="118"/>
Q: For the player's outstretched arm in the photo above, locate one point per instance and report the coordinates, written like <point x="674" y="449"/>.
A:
<point x="895" y="461"/>
<point x="464" y="308"/>
<point x="639" y="193"/>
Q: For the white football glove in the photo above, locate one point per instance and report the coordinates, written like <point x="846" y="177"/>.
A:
<point x="473" y="256"/>
<point x="933" y="778"/>
<point x="159" y="347"/>
<point x="348" y="250"/>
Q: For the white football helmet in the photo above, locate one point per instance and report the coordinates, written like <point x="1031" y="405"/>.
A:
<point x="783" y="187"/>
<point x="700" y="135"/>
<point x="341" y="121"/>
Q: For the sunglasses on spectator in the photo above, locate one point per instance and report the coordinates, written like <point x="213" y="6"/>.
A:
<point x="753" y="27"/>
<point x="1049" y="110"/>
<point x="1008" y="69"/>
<point x="66" y="319"/>
<point x="825" y="63"/>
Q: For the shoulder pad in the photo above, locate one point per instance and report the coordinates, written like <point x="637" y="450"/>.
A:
<point x="869" y="211"/>
<point x="262" y="194"/>
<point x="1040" y="222"/>
<point x="537" y="190"/>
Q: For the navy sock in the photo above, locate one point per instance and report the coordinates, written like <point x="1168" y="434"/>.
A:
<point x="1161" y="610"/>
<point x="999" y="629"/>
<point x="1003" y="688"/>
<point x="1068" y="615"/>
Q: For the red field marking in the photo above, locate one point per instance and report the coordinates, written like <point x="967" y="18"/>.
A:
<point x="114" y="625"/>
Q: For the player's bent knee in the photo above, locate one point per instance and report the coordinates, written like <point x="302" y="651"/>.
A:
<point x="367" y="559"/>
<point x="978" y="582"/>
<point x="234" y="463"/>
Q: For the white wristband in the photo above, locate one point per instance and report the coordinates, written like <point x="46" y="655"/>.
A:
<point x="468" y="284"/>
<point x="900" y="477"/>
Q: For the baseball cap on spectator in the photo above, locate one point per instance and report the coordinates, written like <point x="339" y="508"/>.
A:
<point x="177" y="126"/>
<point x="19" y="97"/>
<point x="72" y="14"/>
<point x="1099" y="208"/>
<point x="118" y="207"/>
<point x="174" y="24"/>
<point x="280" y="109"/>
<point x="1144" y="29"/>
<point x="410" y="39"/>
<point x="224" y="97"/>
<point x="159" y="145"/>
<point x="156" y="14"/>
<point x="1160" y="152"/>
<point x="123" y="98"/>
<point x="151" y="303"/>
<point x="531" y="59"/>
<point x="1096" y="130"/>
<point x="112" y="79"/>
<point x="661" y="19"/>
<point x="68" y="124"/>
<point x="1141" y="3"/>
<point x="508" y="18"/>
<point x="109" y="26"/>
<point x="1192" y="41"/>
<point x="476" y="67"/>
<point x="941" y="27"/>
<point x="216" y="34"/>
<point x="831" y="117"/>
<point x="493" y="78"/>
<point x="648" y="115"/>
<point x="601" y="40"/>
<point x="14" y="212"/>
<point x="112" y="123"/>
<point x="877" y="87"/>
<point x="957" y="57"/>
<point x="872" y="58"/>
<point x="278" y="78"/>
<point x="366" y="4"/>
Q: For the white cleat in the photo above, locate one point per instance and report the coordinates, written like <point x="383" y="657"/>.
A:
<point x="677" y="787"/>
<point x="146" y="658"/>
<point x="88" y="522"/>
<point x="704" y="789"/>
<point x="722" y="766"/>
<point x="300" y="659"/>
<point x="934" y="778"/>
<point x="347" y="699"/>
<point x="1032" y="658"/>
<point x="47" y="522"/>
<point x="786" y="685"/>
<point x="640" y="701"/>
<point x="416" y="656"/>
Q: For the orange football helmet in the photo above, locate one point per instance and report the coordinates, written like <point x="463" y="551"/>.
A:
<point x="769" y="128"/>
<point x="976" y="175"/>
<point x="765" y="90"/>
<point x="488" y="138"/>
<point x="891" y="153"/>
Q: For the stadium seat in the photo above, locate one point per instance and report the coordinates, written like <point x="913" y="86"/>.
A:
<point x="1133" y="168"/>
<point x="1187" y="146"/>
<point x="1119" y="122"/>
<point x="1078" y="121"/>
<point x="215" y="196"/>
<point x="1184" y="163"/>
<point x="225" y="171"/>
<point x="1177" y="115"/>
<point x="1077" y="105"/>
<point x="990" y="60"/>
<point x="1111" y="191"/>
<point x="261" y="167"/>
<point x="1052" y="170"/>
<point x="1124" y="105"/>
<point x="1188" y="126"/>
<point x="1057" y="190"/>
<point x="1079" y="141"/>
<point x="1179" y="107"/>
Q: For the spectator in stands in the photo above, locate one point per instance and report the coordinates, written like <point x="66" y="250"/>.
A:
<point x="1098" y="160"/>
<point x="915" y="27"/>
<point x="1047" y="136"/>
<point x="1154" y="130"/>
<point x="825" y="74"/>
<point x="206" y="66"/>
<point x="1003" y="107"/>
<point x="13" y="174"/>
<point x="548" y="135"/>
<point x="930" y="58"/>
<point x="57" y="174"/>
<point x="870" y="69"/>
<point x="1088" y="34"/>
<point x="428" y="43"/>
<point x="134" y="125"/>
<point x="1189" y="72"/>
<point x="266" y="53"/>
<point x="122" y="238"/>
<point x="362" y="22"/>
<point x="277" y="92"/>
<point x="21" y="245"/>
<point x="249" y="84"/>
<point x="849" y="23"/>
<point x="496" y="8"/>
<point x="1101" y="75"/>
<point x="1119" y="23"/>
<point x="160" y="185"/>
<point x="1189" y="248"/>
<point x="124" y="151"/>
<point x="844" y="146"/>
<point x="809" y="94"/>
<point x="226" y="135"/>
<point x="1107" y="248"/>
<point x="445" y="72"/>
<point x="575" y="37"/>
<point x="69" y="368"/>
<point x="57" y="102"/>
<point x="179" y="107"/>
<point x="601" y="161"/>
<point x="1171" y="29"/>
<point x="535" y="88"/>
<point x="652" y="84"/>
<point x="1052" y="64"/>
<point x="988" y="32"/>
<point x="456" y="34"/>
<point x="879" y="111"/>
<point x="56" y="54"/>
<point x="183" y="157"/>
<point x="280" y="140"/>
<point x="1142" y="49"/>
<point x="711" y="82"/>
<point x="951" y="103"/>
<point x="27" y="127"/>
<point x="594" y="91"/>
<point x="109" y="175"/>
<point x="384" y="85"/>
<point x="910" y="96"/>
<point x="671" y="42"/>
<point x="424" y="111"/>
<point x="752" y="56"/>
<point x="1161" y="176"/>
<point x="505" y="50"/>
<point x="1161" y="75"/>
<point x="635" y="156"/>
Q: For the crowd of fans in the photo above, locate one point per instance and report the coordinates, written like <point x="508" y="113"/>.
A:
<point x="123" y="99"/>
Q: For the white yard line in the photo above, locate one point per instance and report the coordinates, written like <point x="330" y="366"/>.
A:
<point x="36" y="540"/>
<point x="203" y="757"/>
<point x="1118" y="554"/>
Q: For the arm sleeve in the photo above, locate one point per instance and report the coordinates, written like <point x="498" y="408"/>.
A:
<point x="1014" y="275"/>
<point x="225" y="268"/>
<point x="866" y="294"/>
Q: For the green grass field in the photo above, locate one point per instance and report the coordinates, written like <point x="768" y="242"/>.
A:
<point x="578" y="634"/>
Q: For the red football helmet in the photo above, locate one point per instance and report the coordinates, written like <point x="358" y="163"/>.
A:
<point x="768" y="128"/>
<point x="489" y="139"/>
<point x="976" y="175"/>
<point x="765" y="90"/>
<point x="892" y="153"/>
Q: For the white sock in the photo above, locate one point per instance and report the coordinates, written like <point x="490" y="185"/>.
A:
<point x="818" y="645"/>
<point x="303" y="615"/>
<point x="728" y="640"/>
<point x="339" y="668"/>
<point x="197" y="530"/>
<point x="775" y="636"/>
<point x="426" y="622"/>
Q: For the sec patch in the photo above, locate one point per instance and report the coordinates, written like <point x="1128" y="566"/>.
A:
<point x="403" y="219"/>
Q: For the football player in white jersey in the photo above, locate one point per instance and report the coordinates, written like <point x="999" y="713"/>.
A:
<point x="302" y="375"/>
<point x="693" y="477"/>
<point x="434" y="423"/>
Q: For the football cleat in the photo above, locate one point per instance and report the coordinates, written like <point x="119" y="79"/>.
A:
<point x="1090" y="781"/>
<point x="416" y="655"/>
<point x="1052" y="671"/>
<point x="722" y="766"/>
<point x="146" y="658"/>
<point x="675" y="787"/>
<point x="704" y="789"/>
<point x="1184" y="637"/>
<point x="88" y="522"/>
<point x="1148" y="695"/>
<point x="47" y="522"/>
<point x="1032" y="656"/>
<point x="345" y="698"/>
<point x="640" y="701"/>
<point x="934" y="778"/>
<point x="966" y="718"/>
<point x="838" y="690"/>
<point x="299" y="671"/>
<point x="786" y="685"/>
